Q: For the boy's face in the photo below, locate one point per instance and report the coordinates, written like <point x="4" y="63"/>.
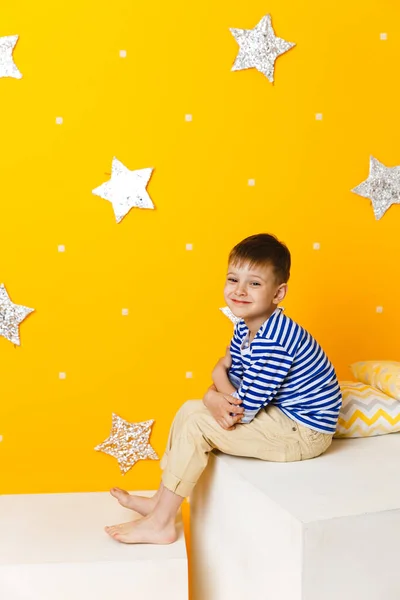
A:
<point x="252" y="292"/>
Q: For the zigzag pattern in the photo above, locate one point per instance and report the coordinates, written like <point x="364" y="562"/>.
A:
<point x="366" y="412"/>
<point x="369" y="405"/>
<point x="357" y="432"/>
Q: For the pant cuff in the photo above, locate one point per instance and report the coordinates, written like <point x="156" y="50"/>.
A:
<point x="176" y="485"/>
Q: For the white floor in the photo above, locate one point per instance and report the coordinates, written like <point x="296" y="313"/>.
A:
<point x="53" y="547"/>
<point x="326" y="528"/>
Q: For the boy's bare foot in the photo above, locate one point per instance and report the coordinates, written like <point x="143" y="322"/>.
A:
<point x="143" y="531"/>
<point x="144" y="506"/>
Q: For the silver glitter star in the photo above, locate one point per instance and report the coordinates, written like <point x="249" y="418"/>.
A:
<point x="125" y="189"/>
<point x="259" y="48"/>
<point x="382" y="187"/>
<point x="128" y="442"/>
<point x="228" y="313"/>
<point x="11" y="315"/>
<point x="7" y="65"/>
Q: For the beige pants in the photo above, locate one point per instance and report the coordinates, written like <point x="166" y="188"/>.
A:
<point x="270" y="436"/>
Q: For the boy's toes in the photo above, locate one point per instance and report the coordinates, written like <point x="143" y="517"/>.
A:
<point x="111" y="530"/>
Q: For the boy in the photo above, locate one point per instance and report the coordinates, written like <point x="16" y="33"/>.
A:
<point x="275" y="395"/>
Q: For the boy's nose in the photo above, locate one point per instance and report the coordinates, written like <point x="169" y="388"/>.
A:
<point x="240" y="291"/>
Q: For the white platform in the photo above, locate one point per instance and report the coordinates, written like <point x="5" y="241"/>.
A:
<point x="53" y="547"/>
<point x="326" y="528"/>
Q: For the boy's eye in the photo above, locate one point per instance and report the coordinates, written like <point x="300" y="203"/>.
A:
<point x="255" y="283"/>
<point x="232" y="280"/>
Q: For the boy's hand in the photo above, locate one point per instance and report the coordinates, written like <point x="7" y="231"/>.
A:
<point x="221" y="405"/>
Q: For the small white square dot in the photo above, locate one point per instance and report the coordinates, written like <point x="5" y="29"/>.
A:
<point x="59" y="120"/>
<point x="189" y="246"/>
<point x="62" y="375"/>
<point x="379" y="309"/>
<point x="319" y="116"/>
<point x="1" y="438"/>
<point x="316" y="245"/>
<point x="188" y="118"/>
<point x="189" y="375"/>
<point x="251" y="182"/>
<point x="383" y="36"/>
<point x="61" y="248"/>
<point x="125" y="311"/>
<point x="122" y="53"/>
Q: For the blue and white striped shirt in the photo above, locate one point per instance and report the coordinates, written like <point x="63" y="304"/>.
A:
<point x="284" y="365"/>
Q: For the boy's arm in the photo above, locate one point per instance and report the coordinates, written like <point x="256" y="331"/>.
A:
<point x="228" y="373"/>
<point x="236" y="366"/>
<point x="220" y="378"/>
<point x="263" y="379"/>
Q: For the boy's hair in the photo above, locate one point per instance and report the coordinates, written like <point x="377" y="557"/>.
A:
<point x="263" y="249"/>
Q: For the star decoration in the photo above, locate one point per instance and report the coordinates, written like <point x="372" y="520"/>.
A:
<point x="11" y="315"/>
<point x="259" y="48"/>
<point x="382" y="187"/>
<point x="125" y="189"/>
<point x="128" y="442"/>
<point x="228" y="313"/>
<point x="7" y="65"/>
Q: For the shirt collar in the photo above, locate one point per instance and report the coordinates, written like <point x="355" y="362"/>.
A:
<point x="263" y="327"/>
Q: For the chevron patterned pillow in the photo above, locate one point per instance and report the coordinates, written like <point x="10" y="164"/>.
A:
<point x="366" y="412"/>
<point x="384" y="375"/>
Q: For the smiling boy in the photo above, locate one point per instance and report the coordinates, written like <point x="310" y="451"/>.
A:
<point x="275" y="395"/>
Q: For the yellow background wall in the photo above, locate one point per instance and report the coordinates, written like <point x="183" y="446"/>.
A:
<point x="178" y="62"/>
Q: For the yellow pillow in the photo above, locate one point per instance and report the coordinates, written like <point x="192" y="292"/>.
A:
<point x="366" y="412"/>
<point x="384" y="375"/>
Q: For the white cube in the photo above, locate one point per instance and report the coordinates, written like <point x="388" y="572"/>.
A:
<point x="54" y="547"/>
<point x="323" y="528"/>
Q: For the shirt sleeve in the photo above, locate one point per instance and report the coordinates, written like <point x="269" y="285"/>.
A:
<point x="235" y="373"/>
<point x="263" y="379"/>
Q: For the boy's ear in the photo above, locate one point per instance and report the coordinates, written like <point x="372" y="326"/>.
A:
<point x="281" y="293"/>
